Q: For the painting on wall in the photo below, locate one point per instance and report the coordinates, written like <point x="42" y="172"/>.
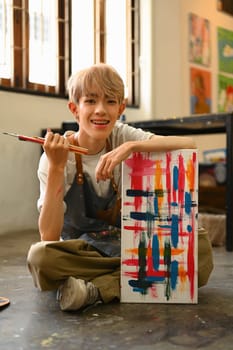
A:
<point x="159" y="228"/>
<point x="199" y="40"/>
<point x="225" y="50"/>
<point x="225" y="93"/>
<point x="200" y="87"/>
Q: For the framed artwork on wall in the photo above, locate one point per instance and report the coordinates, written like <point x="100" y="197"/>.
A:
<point x="225" y="93"/>
<point x="199" y="40"/>
<point x="225" y="50"/>
<point x="200" y="91"/>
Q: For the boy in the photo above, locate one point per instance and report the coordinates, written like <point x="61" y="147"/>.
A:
<point x="79" y="195"/>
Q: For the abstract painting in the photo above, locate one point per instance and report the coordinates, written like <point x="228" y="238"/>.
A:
<point x="159" y="227"/>
<point x="225" y="50"/>
<point x="200" y="89"/>
<point x="199" y="40"/>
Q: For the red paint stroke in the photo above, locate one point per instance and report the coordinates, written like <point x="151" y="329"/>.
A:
<point x="191" y="264"/>
<point x="134" y="274"/>
<point x="136" y="163"/>
<point x="181" y="189"/>
<point x="59" y="191"/>
<point x="191" y="175"/>
<point x="128" y="204"/>
<point x="181" y="181"/>
<point x="135" y="228"/>
<point x="191" y="257"/>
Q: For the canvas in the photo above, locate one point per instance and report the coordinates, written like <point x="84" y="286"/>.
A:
<point x="159" y="227"/>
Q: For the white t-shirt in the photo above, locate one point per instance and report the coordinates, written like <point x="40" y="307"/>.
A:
<point x="120" y="134"/>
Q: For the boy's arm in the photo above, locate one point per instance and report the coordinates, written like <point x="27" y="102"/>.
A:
<point x="51" y="217"/>
<point x="156" y="143"/>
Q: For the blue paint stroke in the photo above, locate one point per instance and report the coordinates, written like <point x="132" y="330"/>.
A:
<point x="139" y="193"/>
<point x="137" y="215"/>
<point x="167" y="264"/>
<point x="155" y="279"/>
<point x="165" y="226"/>
<point x="156" y="206"/>
<point x="174" y="230"/>
<point x="175" y="177"/>
<point x="142" y="253"/>
<point x="141" y="284"/>
<point x="174" y="274"/>
<point x="155" y="252"/>
<point x="188" y="203"/>
<point x="150" y="218"/>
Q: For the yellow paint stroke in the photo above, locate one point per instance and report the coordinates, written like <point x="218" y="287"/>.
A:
<point x="49" y="341"/>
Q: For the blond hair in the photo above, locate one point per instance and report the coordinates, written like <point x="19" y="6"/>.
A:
<point x="101" y="78"/>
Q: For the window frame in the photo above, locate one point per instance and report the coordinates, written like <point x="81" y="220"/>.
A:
<point x="20" y="79"/>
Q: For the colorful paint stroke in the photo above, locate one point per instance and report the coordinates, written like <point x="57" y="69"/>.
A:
<point x="159" y="228"/>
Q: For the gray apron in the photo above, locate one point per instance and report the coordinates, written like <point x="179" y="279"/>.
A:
<point x="95" y="219"/>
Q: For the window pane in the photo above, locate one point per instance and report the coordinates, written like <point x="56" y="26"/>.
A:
<point x="43" y="42"/>
<point x="82" y="34"/>
<point x="6" y="66"/>
<point x="116" y="39"/>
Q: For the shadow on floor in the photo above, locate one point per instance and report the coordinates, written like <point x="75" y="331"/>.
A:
<point x="34" y="321"/>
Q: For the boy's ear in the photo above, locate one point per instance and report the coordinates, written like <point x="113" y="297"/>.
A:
<point x="74" y="110"/>
<point x="122" y="108"/>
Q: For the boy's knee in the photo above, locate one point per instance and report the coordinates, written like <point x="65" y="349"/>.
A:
<point x="205" y="257"/>
<point x="37" y="254"/>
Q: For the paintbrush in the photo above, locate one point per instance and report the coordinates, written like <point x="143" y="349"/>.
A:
<point x="40" y="140"/>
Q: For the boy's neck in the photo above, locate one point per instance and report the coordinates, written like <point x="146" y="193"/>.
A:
<point x="93" y="146"/>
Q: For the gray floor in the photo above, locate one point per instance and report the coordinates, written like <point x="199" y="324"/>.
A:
<point x="34" y="321"/>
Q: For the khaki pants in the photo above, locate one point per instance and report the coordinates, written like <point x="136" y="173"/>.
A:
<point x="205" y="257"/>
<point x="51" y="263"/>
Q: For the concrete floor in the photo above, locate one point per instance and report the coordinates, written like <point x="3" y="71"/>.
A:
<point x="34" y="321"/>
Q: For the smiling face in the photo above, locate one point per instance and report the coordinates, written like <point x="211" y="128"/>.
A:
<point x="96" y="96"/>
<point x="96" y="115"/>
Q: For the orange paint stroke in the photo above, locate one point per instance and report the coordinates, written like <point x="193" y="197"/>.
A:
<point x="174" y="251"/>
<point x="182" y="274"/>
<point x="190" y="173"/>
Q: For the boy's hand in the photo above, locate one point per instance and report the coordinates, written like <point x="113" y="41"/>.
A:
<point x="56" y="148"/>
<point x="108" y="161"/>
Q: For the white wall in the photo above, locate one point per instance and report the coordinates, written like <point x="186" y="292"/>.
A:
<point x="24" y="114"/>
<point x="164" y="93"/>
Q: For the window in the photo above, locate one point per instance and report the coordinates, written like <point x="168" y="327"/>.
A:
<point x="42" y="42"/>
<point x="5" y="39"/>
